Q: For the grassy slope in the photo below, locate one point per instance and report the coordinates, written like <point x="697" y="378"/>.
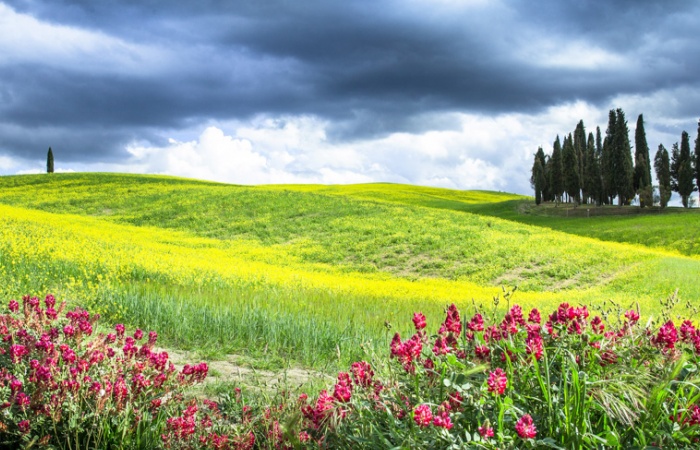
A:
<point x="322" y="252"/>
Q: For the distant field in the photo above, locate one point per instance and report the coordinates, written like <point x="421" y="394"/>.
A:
<point x="309" y="273"/>
<point x="672" y="229"/>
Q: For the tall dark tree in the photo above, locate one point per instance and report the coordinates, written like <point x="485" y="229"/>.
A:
<point x="674" y="168"/>
<point x="662" y="168"/>
<point x="580" y="148"/>
<point x="697" y="158"/>
<point x="642" y="165"/>
<point x="623" y="168"/>
<point x="49" y="161"/>
<point x="544" y="182"/>
<point x="686" y="174"/>
<point x="556" y="172"/>
<point x="599" y="158"/>
<point x="606" y="159"/>
<point x="537" y="179"/>
<point x="572" y="181"/>
<point x="594" y="185"/>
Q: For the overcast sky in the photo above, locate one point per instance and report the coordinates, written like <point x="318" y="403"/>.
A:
<point x="444" y="93"/>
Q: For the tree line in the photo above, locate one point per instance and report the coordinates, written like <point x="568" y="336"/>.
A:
<point x="595" y="170"/>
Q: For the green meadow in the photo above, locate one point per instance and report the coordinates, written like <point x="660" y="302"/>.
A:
<point x="316" y="275"/>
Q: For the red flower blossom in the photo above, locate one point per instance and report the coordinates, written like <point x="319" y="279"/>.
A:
<point x="440" y="347"/>
<point x="497" y="381"/>
<point x="486" y="431"/>
<point x="632" y="316"/>
<point x="533" y="317"/>
<point x="482" y="352"/>
<point x="477" y="323"/>
<point x="452" y="322"/>
<point x="24" y="426"/>
<point x="597" y="325"/>
<point x="422" y="415"/>
<point x="419" y="321"/>
<point x="362" y="373"/>
<point x="667" y="336"/>
<point x="525" y="427"/>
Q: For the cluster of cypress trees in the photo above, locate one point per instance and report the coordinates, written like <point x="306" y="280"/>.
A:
<point x="595" y="170"/>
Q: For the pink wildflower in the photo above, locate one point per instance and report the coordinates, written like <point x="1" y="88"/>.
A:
<point x="422" y="415"/>
<point x="419" y="321"/>
<point x="497" y="381"/>
<point x="23" y="426"/>
<point x="533" y="317"/>
<point x="667" y="336"/>
<point x="525" y="427"/>
<point x="477" y="323"/>
<point x="486" y="431"/>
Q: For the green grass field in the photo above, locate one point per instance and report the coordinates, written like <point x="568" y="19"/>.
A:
<point x="310" y="274"/>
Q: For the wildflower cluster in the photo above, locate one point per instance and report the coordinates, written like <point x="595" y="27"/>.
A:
<point x="59" y="382"/>
<point x="570" y="381"/>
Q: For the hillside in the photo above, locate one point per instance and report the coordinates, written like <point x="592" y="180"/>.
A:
<point x="343" y="258"/>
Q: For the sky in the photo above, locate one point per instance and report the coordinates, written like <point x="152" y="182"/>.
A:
<point x="448" y="93"/>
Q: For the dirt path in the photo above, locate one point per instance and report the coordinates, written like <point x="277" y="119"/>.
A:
<point x="233" y="370"/>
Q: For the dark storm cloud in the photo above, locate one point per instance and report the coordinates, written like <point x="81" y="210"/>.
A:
<point x="368" y="67"/>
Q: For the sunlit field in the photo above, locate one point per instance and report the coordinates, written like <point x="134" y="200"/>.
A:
<point x="317" y="274"/>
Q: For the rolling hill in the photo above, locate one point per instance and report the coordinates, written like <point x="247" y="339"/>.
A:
<point x="311" y="273"/>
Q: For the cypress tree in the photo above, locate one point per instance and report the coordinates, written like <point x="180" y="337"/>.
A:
<point x="571" y="170"/>
<point x="642" y="166"/>
<point x="537" y="179"/>
<point x="622" y="166"/>
<point x="606" y="161"/>
<point x="599" y="158"/>
<point x="556" y="173"/>
<point x="580" y="149"/>
<point x="49" y="161"/>
<point x="592" y="170"/>
<point x="697" y="158"/>
<point x="675" y="165"/>
<point x="539" y="176"/>
<point x="548" y="193"/>
<point x="686" y="173"/>
<point x="663" y="174"/>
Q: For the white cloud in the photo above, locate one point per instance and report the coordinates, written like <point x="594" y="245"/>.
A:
<point x="479" y="153"/>
<point x="483" y="153"/>
<point x="214" y="156"/>
<point x="561" y="53"/>
<point x="6" y="163"/>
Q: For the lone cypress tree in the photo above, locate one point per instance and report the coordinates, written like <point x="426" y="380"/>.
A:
<point x="49" y="162"/>
<point x="642" y="166"/>
<point x="663" y="174"/>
